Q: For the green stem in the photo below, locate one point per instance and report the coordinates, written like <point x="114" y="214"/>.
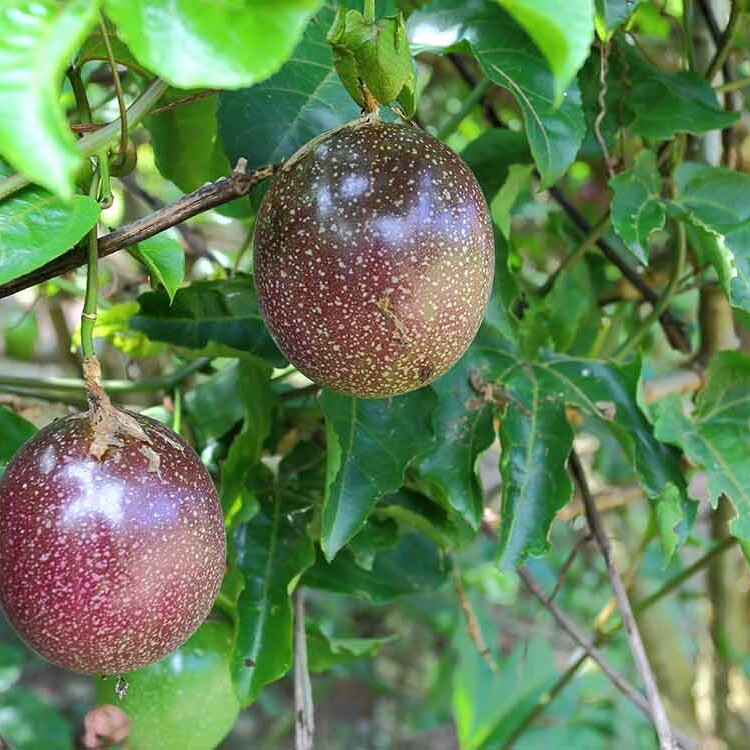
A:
<point x="467" y="105"/>
<point x="177" y="414"/>
<point x="77" y="386"/>
<point x="602" y="637"/>
<point x="630" y="343"/>
<point x="118" y="88"/>
<point x="79" y="92"/>
<point x="100" y="139"/>
<point x="369" y="11"/>
<point x="90" y="300"/>
<point x="740" y="83"/>
<point x="725" y="43"/>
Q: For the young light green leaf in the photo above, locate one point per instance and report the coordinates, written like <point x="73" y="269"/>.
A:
<point x="36" y="227"/>
<point x="637" y="208"/>
<point x="270" y="121"/>
<point x="563" y="38"/>
<point x="213" y="316"/>
<point x="509" y="58"/>
<point x="37" y="42"/>
<point x="325" y="651"/>
<point x="370" y="444"/>
<point x="164" y="259"/>
<point x="270" y="553"/>
<point x="717" y="201"/>
<point x="713" y="436"/>
<point x="611" y="14"/>
<point x="221" y="45"/>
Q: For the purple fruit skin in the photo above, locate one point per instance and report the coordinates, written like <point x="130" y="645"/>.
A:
<point x="107" y="566"/>
<point x="374" y="259"/>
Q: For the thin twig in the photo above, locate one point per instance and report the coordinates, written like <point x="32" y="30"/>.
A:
<point x="658" y="714"/>
<point x="472" y="624"/>
<point x="206" y="197"/>
<point x="303" y="699"/>
<point x="725" y="42"/>
<point x="5" y="745"/>
<point x="118" y="88"/>
<point x="185" y="100"/>
<point x="566" y="566"/>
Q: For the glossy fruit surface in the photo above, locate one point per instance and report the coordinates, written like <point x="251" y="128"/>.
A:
<point x="106" y="566"/>
<point x="185" y="701"/>
<point x="374" y="258"/>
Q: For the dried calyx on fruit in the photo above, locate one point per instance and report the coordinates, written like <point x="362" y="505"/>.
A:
<point x="112" y="544"/>
<point x="374" y="258"/>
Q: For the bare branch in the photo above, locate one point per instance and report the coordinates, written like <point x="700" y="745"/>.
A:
<point x="303" y="700"/>
<point x="657" y="712"/>
<point x="203" y="199"/>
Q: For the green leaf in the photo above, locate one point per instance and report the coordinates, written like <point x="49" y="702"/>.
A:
<point x="717" y="200"/>
<point x="272" y="120"/>
<point x="370" y="444"/>
<point x="37" y="41"/>
<point x="563" y="38"/>
<point x="637" y="208"/>
<point x="325" y="651"/>
<point x="30" y="724"/>
<point x="254" y="392"/>
<point x="164" y="259"/>
<point x="15" y="431"/>
<point x="536" y="442"/>
<point x="193" y="44"/>
<point x="213" y="405"/>
<point x="36" y="227"/>
<point x="713" y="435"/>
<point x="270" y="553"/>
<point x="662" y="104"/>
<point x="211" y="316"/>
<point x="509" y="58"/>
<point x="492" y="155"/>
<point x="414" y="566"/>
<point x="464" y="430"/>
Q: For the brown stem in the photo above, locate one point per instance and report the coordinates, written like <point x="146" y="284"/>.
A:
<point x="658" y="714"/>
<point x="303" y="700"/>
<point x="203" y="199"/>
<point x="472" y="624"/>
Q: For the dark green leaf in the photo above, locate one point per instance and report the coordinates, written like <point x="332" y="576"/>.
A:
<point x="254" y="392"/>
<point x="663" y="104"/>
<point x="213" y="405"/>
<point x="164" y="259"/>
<point x="536" y="442"/>
<point x="325" y="651"/>
<point x="221" y="45"/>
<point x="415" y="565"/>
<point x="637" y="208"/>
<point x="30" y="724"/>
<point x="717" y="200"/>
<point x="37" y="42"/>
<point x="610" y="14"/>
<point x="36" y="227"/>
<point x="509" y="58"/>
<point x="491" y="156"/>
<point x="272" y="120"/>
<point x="270" y="553"/>
<point x="563" y="38"/>
<point x="215" y="316"/>
<point x="370" y="444"/>
<point x="714" y="435"/>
